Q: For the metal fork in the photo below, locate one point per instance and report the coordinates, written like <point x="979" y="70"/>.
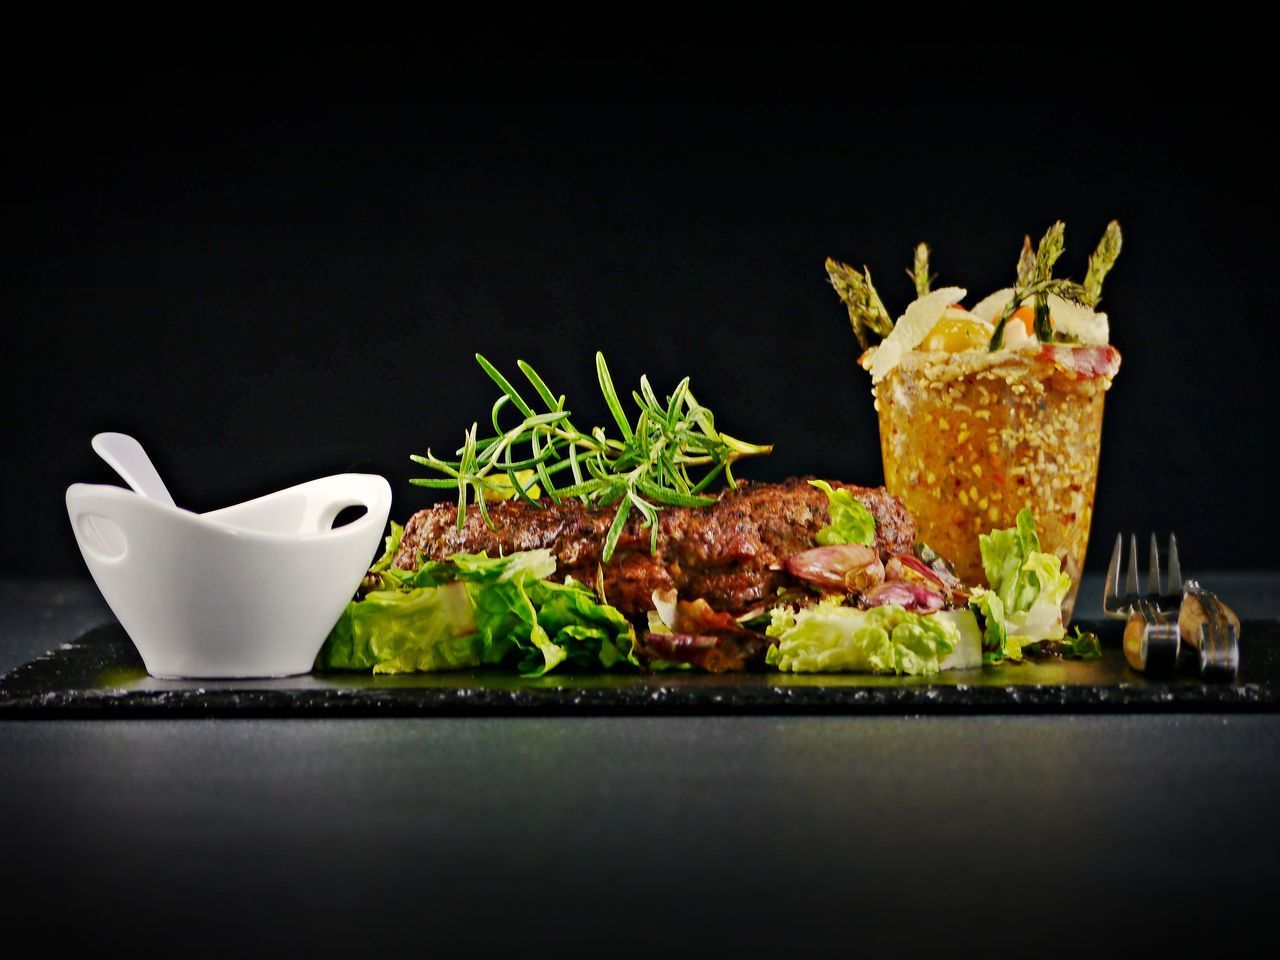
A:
<point x="1167" y="598"/>
<point x="1170" y="612"/>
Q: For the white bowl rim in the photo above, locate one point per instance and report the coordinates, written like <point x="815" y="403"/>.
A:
<point x="355" y="528"/>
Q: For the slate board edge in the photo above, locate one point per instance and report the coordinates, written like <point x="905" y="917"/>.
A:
<point x="812" y="701"/>
<point x="1138" y="697"/>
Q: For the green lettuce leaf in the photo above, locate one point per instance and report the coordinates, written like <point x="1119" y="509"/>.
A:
<point x="591" y="633"/>
<point x="390" y="631"/>
<point x="382" y="575"/>
<point x="1027" y="586"/>
<point x="830" y="637"/>
<point x="1085" y="645"/>
<point x="505" y="614"/>
<point x="473" y="610"/>
<point x="851" y="522"/>
<point x="390" y="549"/>
<point x="523" y="567"/>
<point x="968" y="651"/>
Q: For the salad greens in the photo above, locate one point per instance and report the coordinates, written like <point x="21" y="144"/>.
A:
<point x="1024" y="604"/>
<point x="831" y="637"/>
<point x="851" y="521"/>
<point x="474" y="610"/>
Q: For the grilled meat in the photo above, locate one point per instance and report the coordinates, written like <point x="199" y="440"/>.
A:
<point x="731" y="554"/>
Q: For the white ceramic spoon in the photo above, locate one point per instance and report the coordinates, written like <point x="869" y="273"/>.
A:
<point x="127" y="458"/>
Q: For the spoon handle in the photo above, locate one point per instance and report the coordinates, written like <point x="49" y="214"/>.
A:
<point x="126" y="456"/>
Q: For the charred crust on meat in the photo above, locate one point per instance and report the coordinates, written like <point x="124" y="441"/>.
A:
<point x="722" y="553"/>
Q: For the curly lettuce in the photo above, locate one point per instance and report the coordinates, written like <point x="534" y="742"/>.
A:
<point x="474" y="610"/>
<point x="830" y="638"/>
<point x="1027" y="586"/>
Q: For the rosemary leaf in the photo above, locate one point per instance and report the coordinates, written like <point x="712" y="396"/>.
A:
<point x="573" y="464"/>
<point x="523" y="492"/>
<point x="543" y="476"/>
<point x="650" y="519"/>
<point x="611" y="395"/>
<point x="548" y="398"/>
<point x="506" y="387"/>
<point x="615" y="530"/>
<point x="672" y="498"/>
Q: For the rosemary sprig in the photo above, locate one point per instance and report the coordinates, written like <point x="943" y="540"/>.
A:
<point x="919" y="272"/>
<point x="653" y="465"/>
<point x="870" y="320"/>
<point x="1102" y="260"/>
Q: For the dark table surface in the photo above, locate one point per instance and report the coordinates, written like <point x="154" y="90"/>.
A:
<point x="1008" y="835"/>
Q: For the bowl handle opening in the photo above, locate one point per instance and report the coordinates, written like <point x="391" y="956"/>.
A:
<point x="333" y="495"/>
<point x="99" y="518"/>
<point x="101" y="537"/>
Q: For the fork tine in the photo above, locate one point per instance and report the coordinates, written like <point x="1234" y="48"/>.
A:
<point x="1153" y="568"/>
<point x="1111" y="591"/>
<point x="1175" y="569"/>
<point x="1131" y="578"/>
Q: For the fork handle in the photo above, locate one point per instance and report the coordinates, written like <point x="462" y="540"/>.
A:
<point x="1151" y="639"/>
<point x="1212" y="629"/>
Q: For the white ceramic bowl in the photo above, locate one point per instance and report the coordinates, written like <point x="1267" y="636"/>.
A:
<point x="247" y="591"/>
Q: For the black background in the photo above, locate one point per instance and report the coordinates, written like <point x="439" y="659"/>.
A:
<point x="271" y="265"/>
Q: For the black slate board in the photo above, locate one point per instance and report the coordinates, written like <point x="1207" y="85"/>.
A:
<point x="101" y="675"/>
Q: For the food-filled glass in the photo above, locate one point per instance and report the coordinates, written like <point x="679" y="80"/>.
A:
<point x="968" y="440"/>
<point x="988" y="410"/>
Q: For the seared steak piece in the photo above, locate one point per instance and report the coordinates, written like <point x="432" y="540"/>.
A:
<point x="725" y="553"/>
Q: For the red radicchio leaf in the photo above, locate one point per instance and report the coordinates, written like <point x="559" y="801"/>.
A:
<point x="912" y="596"/>
<point x="906" y="568"/>
<point x="846" y="567"/>
<point x="716" y="653"/>
<point x="910" y="569"/>
<point x="701" y="636"/>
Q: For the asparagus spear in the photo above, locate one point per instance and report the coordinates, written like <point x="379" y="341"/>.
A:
<point x="870" y="320"/>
